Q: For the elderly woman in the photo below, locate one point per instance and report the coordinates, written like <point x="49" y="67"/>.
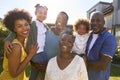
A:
<point x="66" y="66"/>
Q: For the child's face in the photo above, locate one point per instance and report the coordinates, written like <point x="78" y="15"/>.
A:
<point x="41" y="14"/>
<point x="81" y="30"/>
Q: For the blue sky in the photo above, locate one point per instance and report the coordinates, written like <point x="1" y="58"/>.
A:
<point x="74" y="8"/>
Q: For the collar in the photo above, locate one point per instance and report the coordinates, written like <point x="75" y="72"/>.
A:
<point x="101" y="33"/>
<point x="84" y="35"/>
<point x="38" y="21"/>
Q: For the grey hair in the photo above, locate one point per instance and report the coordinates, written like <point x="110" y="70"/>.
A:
<point x="97" y="12"/>
<point x="66" y="32"/>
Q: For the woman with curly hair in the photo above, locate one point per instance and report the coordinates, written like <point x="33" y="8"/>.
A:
<point x="37" y="34"/>
<point x="14" y="64"/>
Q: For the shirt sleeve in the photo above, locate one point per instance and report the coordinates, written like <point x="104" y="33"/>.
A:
<point x="109" y="46"/>
<point x="10" y="37"/>
<point x="83" y="72"/>
<point x="46" y="76"/>
<point x="48" y="69"/>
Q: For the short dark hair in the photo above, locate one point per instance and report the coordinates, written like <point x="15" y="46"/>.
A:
<point x="14" y="15"/>
<point x="82" y="21"/>
<point x="65" y="14"/>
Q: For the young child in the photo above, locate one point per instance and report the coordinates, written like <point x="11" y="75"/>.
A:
<point x="39" y="29"/>
<point x="81" y="28"/>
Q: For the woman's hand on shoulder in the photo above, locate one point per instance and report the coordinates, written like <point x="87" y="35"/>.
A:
<point x="15" y="50"/>
<point x="8" y="46"/>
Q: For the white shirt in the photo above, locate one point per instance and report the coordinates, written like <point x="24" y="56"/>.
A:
<point x="94" y="38"/>
<point x="41" y="36"/>
<point x="80" y="43"/>
<point x="76" y="70"/>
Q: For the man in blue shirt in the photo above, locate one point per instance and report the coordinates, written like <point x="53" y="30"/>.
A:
<point x="100" y="49"/>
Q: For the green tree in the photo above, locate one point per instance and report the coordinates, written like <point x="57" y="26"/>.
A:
<point x="3" y="34"/>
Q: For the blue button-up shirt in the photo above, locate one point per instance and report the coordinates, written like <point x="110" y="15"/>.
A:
<point x="105" y="44"/>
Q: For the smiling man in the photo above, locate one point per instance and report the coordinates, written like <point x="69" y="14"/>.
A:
<point x="100" y="49"/>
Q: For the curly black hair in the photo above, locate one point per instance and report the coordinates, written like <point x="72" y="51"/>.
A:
<point x="14" y="15"/>
<point x="67" y="17"/>
<point x="82" y="21"/>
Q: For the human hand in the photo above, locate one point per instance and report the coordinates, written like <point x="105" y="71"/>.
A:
<point x="85" y="59"/>
<point x="41" y="66"/>
<point x="8" y="47"/>
<point x="32" y="50"/>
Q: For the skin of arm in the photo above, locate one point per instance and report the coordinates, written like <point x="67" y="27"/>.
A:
<point x="15" y="66"/>
<point x="100" y="64"/>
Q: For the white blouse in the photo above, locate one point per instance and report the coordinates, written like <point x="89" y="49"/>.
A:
<point x="76" y="70"/>
<point x="80" y="43"/>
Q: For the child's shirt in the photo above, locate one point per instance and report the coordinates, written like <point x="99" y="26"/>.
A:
<point x="80" y="43"/>
<point x="40" y="36"/>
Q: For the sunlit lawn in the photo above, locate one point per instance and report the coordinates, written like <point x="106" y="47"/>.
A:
<point x="115" y="73"/>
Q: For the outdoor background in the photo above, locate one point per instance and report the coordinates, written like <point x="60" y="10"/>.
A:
<point x="74" y="8"/>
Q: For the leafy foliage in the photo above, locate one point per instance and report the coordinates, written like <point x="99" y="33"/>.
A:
<point x="3" y="34"/>
<point x="117" y="51"/>
<point x="116" y="57"/>
<point x="114" y="73"/>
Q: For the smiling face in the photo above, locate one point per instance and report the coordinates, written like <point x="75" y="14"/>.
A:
<point x="97" y="22"/>
<point x="41" y="14"/>
<point x="66" y="43"/>
<point x="81" y="29"/>
<point x="21" y="28"/>
<point x="61" y="22"/>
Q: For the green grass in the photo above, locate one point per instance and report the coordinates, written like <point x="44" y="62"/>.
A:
<point x="115" y="73"/>
<point x="28" y="70"/>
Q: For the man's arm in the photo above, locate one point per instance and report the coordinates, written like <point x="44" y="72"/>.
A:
<point x="10" y="37"/>
<point x="7" y="42"/>
<point x="105" y="56"/>
<point x="100" y="64"/>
